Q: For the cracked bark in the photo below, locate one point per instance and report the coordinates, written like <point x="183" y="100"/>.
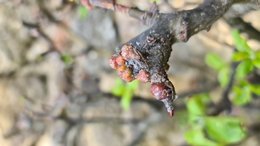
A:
<point x="145" y="57"/>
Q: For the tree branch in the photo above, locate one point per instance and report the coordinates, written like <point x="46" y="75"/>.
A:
<point x="145" y="57"/>
<point x="225" y="103"/>
<point x="111" y="5"/>
<point x="243" y="26"/>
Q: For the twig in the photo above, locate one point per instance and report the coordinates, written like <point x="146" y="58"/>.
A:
<point x="158" y="106"/>
<point x="254" y="128"/>
<point x="43" y="34"/>
<point x="106" y="4"/>
<point x="225" y="103"/>
<point x="243" y="26"/>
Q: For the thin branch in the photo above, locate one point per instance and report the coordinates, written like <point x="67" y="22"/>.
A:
<point x="243" y="26"/>
<point x="41" y="32"/>
<point x="157" y="105"/>
<point x="107" y="4"/>
<point x="225" y="103"/>
<point x="254" y="128"/>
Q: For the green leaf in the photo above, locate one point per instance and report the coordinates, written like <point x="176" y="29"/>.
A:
<point x="67" y="59"/>
<point x="126" y="99"/>
<point x="244" y="69"/>
<point x="133" y="85"/>
<point x="126" y="91"/>
<point x="196" y="105"/>
<point x="255" y="89"/>
<point x="240" y="43"/>
<point x="257" y="54"/>
<point x="119" y="88"/>
<point x="256" y="62"/>
<point x="214" y="61"/>
<point x="156" y="1"/>
<point x="128" y="94"/>
<point x="196" y="137"/>
<point x="223" y="76"/>
<point x="242" y="95"/>
<point x="83" y="12"/>
<point x="225" y="130"/>
<point x="239" y="56"/>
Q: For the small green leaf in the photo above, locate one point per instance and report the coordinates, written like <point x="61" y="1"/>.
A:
<point x="244" y="69"/>
<point x="225" y="130"/>
<point x="119" y="88"/>
<point x="196" y="137"/>
<point x="239" y="56"/>
<point x="257" y="54"/>
<point x="125" y="91"/>
<point x="126" y="99"/>
<point x="83" y="12"/>
<point x="214" y="61"/>
<point x="256" y="62"/>
<point x="242" y="95"/>
<point x="255" y="89"/>
<point x="133" y="85"/>
<point x="240" y="42"/>
<point x="67" y="59"/>
<point x="156" y="1"/>
<point x="196" y="105"/>
<point x="223" y="76"/>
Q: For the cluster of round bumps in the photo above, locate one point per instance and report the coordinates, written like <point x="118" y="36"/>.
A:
<point x="119" y="63"/>
<point x="161" y="91"/>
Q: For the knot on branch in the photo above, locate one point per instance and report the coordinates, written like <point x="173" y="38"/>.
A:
<point x="181" y="31"/>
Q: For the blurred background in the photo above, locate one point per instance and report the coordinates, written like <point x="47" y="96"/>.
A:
<point x="57" y="89"/>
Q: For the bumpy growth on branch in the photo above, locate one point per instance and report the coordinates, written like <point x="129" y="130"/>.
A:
<point x="145" y="57"/>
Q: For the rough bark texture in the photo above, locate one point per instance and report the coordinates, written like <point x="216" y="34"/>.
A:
<point x="145" y="57"/>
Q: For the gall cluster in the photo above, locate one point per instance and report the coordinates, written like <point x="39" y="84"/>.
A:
<point x="161" y="91"/>
<point x="125" y="71"/>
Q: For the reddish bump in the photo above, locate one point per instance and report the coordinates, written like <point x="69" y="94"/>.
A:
<point x="112" y="62"/>
<point x="143" y="76"/>
<point x="160" y="91"/>
<point x="117" y="62"/>
<point x="120" y="60"/>
<point x="128" y="52"/>
<point x="126" y="75"/>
